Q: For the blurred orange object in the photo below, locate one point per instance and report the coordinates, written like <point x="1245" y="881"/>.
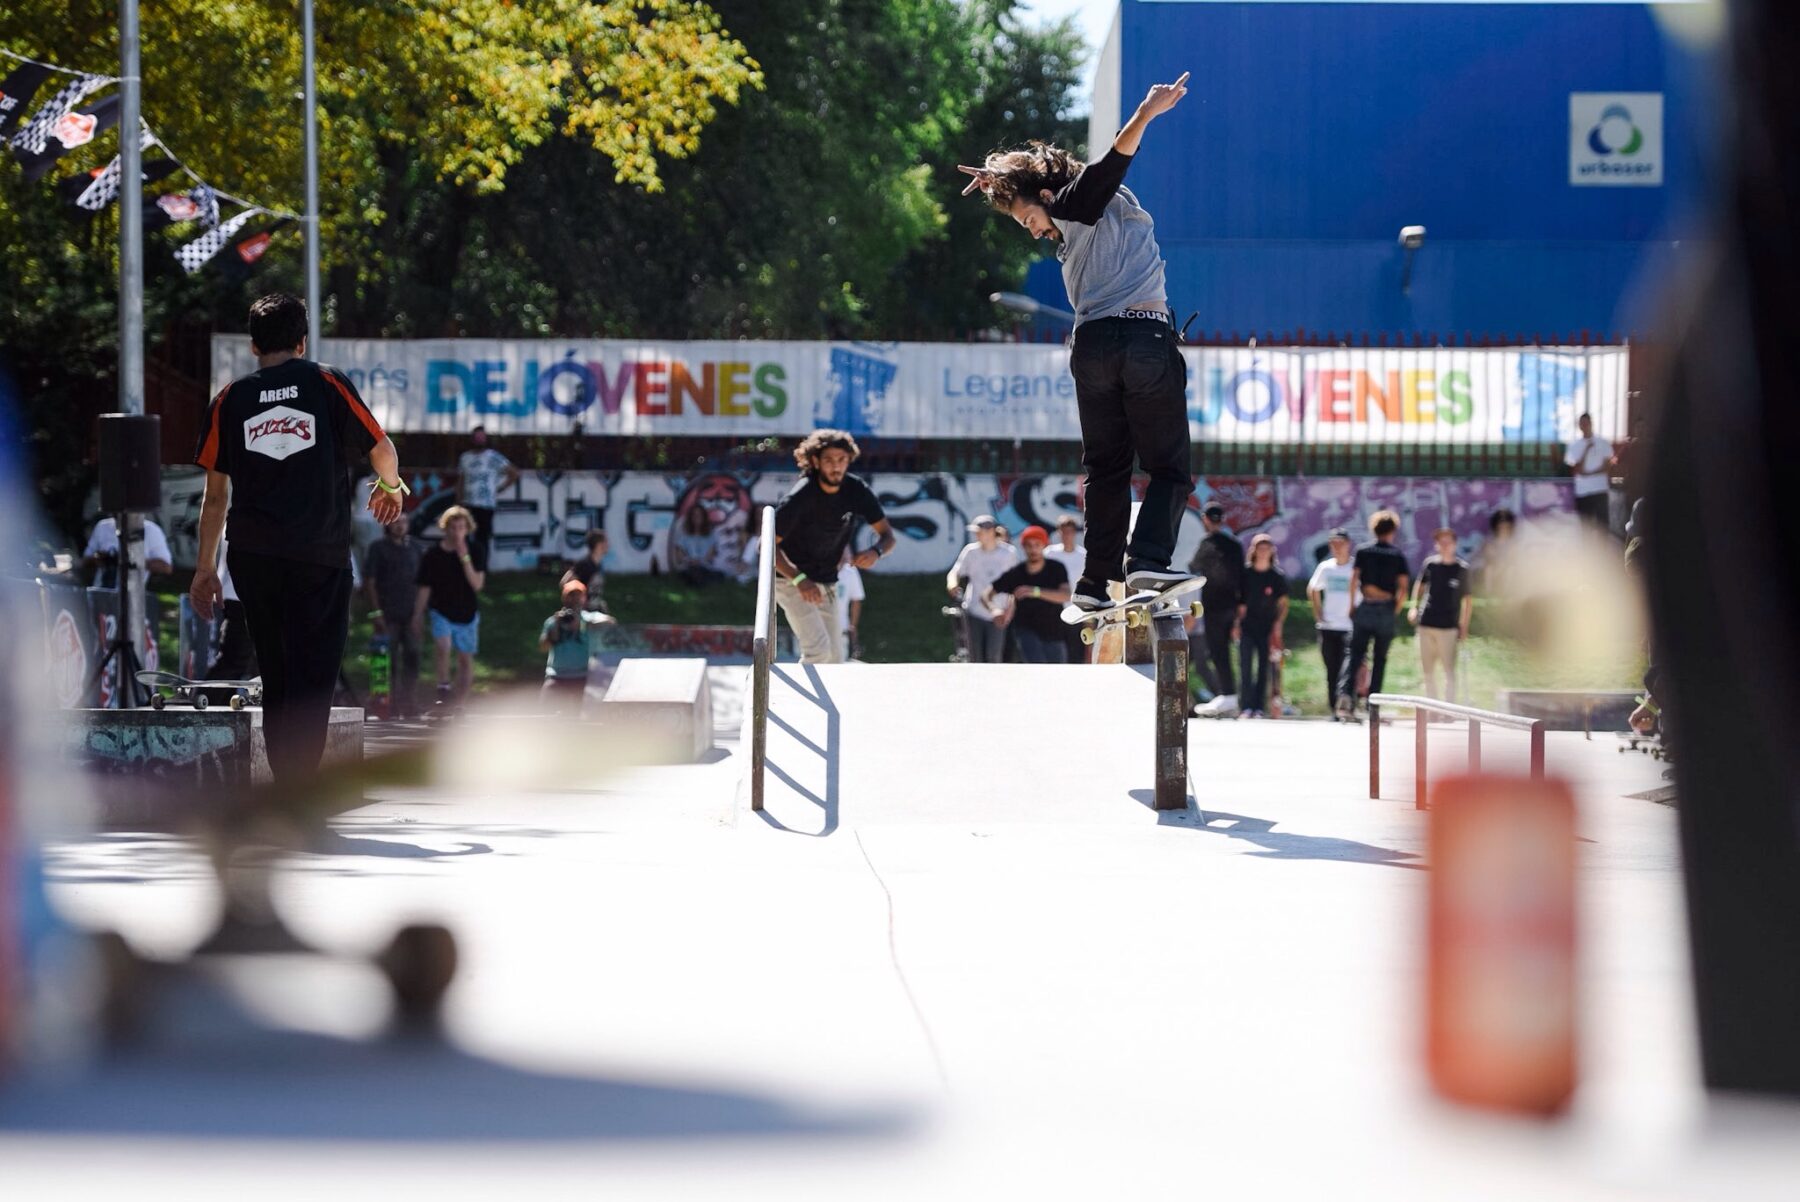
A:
<point x="1501" y="943"/>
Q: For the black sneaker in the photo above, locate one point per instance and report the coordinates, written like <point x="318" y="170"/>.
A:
<point x="1154" y="578"/>
<point x="1089" y="596"/>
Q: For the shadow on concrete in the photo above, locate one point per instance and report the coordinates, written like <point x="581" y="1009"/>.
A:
<point x="1277" y="845"/>
<point x="331" y="843"/>
<point x="827" y="756"/>
<point x="254" y="1083"/>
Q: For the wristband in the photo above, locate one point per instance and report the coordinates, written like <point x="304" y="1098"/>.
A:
<point x="374" y="613"/>
<point x="798" y="578"/>
<point x="1036" y="591"/>
<point x="398" y="490"/>
<point x="464" y="557"/>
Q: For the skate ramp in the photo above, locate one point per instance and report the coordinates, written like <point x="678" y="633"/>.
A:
<point x="868" y="744"/>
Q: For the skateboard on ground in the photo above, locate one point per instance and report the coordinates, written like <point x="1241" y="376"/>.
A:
<point x="1137" y="610"/>
<point x="184" y="691"/>
<point x="1650" y="744"/>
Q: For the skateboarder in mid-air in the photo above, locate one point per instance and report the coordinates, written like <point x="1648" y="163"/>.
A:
<point x="1130" y="378"/>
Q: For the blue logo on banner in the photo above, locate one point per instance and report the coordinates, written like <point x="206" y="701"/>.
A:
<point x="859" y="384"/>
<point x="1545" y="385"/>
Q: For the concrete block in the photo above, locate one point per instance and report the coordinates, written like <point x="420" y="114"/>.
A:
<point x="1572" y="709"/>
<point x="208" y="749"/>
<point x="669" y="700"/>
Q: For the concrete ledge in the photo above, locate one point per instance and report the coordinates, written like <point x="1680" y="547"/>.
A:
<point x="205" y="749"/>
<point x="669" y="701"/>
<point x="1572" y="709"/>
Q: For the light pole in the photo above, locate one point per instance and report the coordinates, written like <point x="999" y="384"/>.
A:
<point x="311" y="100"/>
<point x="1018" y="302"/>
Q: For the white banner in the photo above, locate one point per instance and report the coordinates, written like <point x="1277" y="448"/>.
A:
<point x="955" y="390"/>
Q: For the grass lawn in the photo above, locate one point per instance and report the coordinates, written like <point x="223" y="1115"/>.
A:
<point x="902" y="624"/>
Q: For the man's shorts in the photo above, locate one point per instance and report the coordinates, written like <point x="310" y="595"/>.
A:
<point x="464" y="636"/>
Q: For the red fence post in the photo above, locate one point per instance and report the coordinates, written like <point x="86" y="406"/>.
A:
<point x="1374" y="753"/>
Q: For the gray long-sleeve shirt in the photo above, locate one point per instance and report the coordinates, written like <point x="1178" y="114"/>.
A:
<point x="1110" y="260"/>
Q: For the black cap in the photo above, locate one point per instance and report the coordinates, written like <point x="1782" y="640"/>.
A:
<point x="1340" y="532"/>
<point x="1213" y="510"/>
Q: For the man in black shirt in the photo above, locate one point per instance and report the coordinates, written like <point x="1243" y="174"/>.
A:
<point x="1220" y="559"/>
<point x="1378" y="582"/>
<point x="813" y="524"/>
<point x="390" y="579"/>
<point x="278" y="447"/>
<point x="450" y="576"/>
<point x="1039" y="588"/>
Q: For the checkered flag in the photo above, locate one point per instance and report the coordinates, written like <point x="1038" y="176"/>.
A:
<point x="35" y="136"/>
<point x="208" y="200"/>
<point x="194" y="255"/>
<point x="105" y="188"/>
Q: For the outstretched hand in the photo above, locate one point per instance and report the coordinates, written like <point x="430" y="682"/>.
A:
<point x="1162" y="97"/>
<point x="983" y="178"/>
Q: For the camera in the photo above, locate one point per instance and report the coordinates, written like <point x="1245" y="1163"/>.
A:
<point x="568" y="621"/>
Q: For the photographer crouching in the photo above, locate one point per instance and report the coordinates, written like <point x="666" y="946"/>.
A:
<point x="565" y="637"/>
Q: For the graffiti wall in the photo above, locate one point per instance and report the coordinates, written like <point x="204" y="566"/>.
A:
<point x="669" y="523"/>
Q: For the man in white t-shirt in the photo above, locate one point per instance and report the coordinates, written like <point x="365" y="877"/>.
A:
<point x="1329" y="592"/>
<point x="1590" y="462"/>
<point x="849" y="603"/>
<point x="979" y="564"/>
<point x="102" y="551"/>
<point x="482" y="474"/>
<point x="1068" y="551"/>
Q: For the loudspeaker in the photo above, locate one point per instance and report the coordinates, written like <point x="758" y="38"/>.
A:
<point x="130" y="463"/>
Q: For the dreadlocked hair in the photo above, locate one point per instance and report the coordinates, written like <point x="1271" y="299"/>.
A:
<point x="1027" y="172"/>
<point x="820" y="441"/>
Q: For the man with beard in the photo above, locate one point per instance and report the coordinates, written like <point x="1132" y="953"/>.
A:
<point x="813" y="524"/>
<point x="1038" y="588"/>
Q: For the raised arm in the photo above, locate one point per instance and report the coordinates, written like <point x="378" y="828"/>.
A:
<point x="1157" y="101"/>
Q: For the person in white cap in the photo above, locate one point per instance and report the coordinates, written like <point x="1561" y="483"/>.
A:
<point x="979" y="564"/>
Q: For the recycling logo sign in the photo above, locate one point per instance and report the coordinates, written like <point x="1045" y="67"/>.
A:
<point x="1615" y="139"/>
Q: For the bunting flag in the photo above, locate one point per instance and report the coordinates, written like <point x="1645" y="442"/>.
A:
<point x="208" y="202"/>
<point x="246" y="254"/>
<point x="16" y="91"/>
<point x="36" y="135"/>
<point x="194" y="255"/>
<point x="74" y="128"/>
<point x="94" y="190"/>
<point x="171" y="208"/>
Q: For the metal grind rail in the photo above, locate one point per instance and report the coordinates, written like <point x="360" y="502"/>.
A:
<point x="1425" y="706"/>
<point x="763" y="656"/>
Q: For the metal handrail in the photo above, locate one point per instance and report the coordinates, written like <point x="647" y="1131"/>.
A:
<point x="763" y="656"/>
<point x="1430" y="705"/>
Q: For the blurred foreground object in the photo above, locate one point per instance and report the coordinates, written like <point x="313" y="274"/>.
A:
<point x="1501" y="943"/>
<point x="1729" y="653"/>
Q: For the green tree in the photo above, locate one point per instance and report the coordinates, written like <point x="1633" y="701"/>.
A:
<point x="433" y="101"/>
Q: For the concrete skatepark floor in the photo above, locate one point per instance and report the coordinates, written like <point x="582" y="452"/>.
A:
<point x="959" y="953"/>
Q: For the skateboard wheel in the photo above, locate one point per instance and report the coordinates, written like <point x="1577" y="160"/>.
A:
<point x="156" y="701"/>
<point x="419" y="964"/>
<point x="237" y="701"/>
<point x="199" y="701"/>
<point x="1087" y="636"/>
<point x="1134" y="619"/>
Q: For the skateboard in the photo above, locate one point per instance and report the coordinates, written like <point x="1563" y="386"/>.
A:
<point x="1650" y="744"/>
<point x="185" y="691"/>
<point x="1133" y="612"/>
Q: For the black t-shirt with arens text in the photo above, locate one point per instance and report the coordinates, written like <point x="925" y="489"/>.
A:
<point x="814" y="526"/>
<point x="288" y="436"/>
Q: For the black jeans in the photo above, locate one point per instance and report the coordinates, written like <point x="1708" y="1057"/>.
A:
<point x="1595" y="508"/>
<point x="1372" y="622"/>
<point x="1332" y="646"/>
<point x="1253" y="665"/>
<point x="1218" y="624"/>
<point x="1131" y="393"/>
<point x="299" y="617"/>
<point x="237" y="655"/>
<point x="484" y="529"/>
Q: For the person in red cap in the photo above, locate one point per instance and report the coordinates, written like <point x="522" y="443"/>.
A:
<point x="565" y="637"/>
<point x="1029" y="597"/>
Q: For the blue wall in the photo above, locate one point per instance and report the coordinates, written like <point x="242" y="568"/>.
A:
<point x="1311" y="133"/>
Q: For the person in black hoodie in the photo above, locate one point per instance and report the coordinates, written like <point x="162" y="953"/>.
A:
<point x="1220" y="559"/>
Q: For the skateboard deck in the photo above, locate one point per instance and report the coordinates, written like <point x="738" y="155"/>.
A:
<point x="186" y="691"/>
<point x="1139" y="609"/>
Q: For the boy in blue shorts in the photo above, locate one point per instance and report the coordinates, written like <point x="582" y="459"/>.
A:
<point x="451" y="575"/>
